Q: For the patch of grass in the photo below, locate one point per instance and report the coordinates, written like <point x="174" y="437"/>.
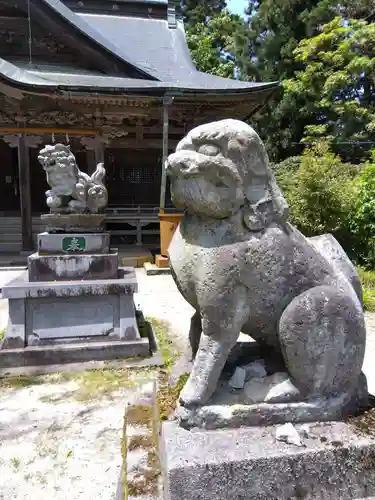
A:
<point x="140" y="415"/>
<point x="2" y="334"/>
<point x="367" y="278"/>
<point x="144" y="441"/>
<point x="20" y="382"/>
<point x="368" y="285"/>
<point x="93" y="384"/>
<point x="16" y="462"/>
<point x="165" y="343"/>
<point x="364" y="424"/>
<point x="146" y="480"/>
<point x="369" y="299"/>
<point x="98" y="383"/>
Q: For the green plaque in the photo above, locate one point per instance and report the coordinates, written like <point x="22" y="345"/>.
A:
<point x="74" y="244"/>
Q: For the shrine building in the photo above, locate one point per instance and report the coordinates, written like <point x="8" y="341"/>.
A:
<point x="115" y="80"/>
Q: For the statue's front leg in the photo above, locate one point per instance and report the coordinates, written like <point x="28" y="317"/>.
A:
<point x="53" y="200"/>
<point x="219" y="335"/>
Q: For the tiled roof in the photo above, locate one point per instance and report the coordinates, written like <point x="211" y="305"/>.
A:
<point x="157" y="51"/>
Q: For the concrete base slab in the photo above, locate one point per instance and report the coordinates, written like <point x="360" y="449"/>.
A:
<point x="153" y="269"/>
<point x="116" y="364"/>
<point x="335" y="463"/>
<point x="73" y="353"/>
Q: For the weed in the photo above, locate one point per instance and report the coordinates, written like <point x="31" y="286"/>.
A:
<point x="2" y="334"/>
<point x="367" y="278"/>
<point x="165" y="343"/>
<point x="144" y="441"/>
<point x="16" y="462"/>
<point x="369" y="299"/>
<point x="365" y="423"/>
<point x="368" y="284"/>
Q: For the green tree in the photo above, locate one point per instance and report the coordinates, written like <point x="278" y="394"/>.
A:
<point x="275" y="31"/>
<point x="335" y="91"/>
<point x="215" y="43"/>
<point x="195" y="12"/>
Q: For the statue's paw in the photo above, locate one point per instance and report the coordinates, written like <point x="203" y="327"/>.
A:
<point x="191" y="396"/>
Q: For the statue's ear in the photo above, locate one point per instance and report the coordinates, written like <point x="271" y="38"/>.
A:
<point x="253" y="218"/>
<point x="260" y="215"/>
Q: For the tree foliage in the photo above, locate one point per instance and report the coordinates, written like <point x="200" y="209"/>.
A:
<point x="335" y="91"/>
<point x="195" y="12"/>
<point x="214" y="44"/>
<point x="363" y="222"/>
<point x="276" y="32"/>
<point x="321" y="193"/>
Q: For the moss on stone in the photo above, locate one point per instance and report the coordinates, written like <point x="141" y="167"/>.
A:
<point x="167" y="396"/>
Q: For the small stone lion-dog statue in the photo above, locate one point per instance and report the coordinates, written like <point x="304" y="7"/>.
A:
<point x="72" y="191"/>
<point x="244" y="268"/>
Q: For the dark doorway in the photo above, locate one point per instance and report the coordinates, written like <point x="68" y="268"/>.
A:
<point x="9" y="198"/>
<point x="133" y="177"/>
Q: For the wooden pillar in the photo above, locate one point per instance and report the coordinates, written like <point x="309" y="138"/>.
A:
<point x="95" y="152"/>
<point x="167" y="101"/>
<point x="25" y="194"/>
<point x="22" y="142"/>
<point x="99" y="150"/>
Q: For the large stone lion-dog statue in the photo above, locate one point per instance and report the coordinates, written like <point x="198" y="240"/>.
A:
<point x="244" y="268"/>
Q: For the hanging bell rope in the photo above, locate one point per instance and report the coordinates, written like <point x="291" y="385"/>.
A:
<point x="53" y="137"/>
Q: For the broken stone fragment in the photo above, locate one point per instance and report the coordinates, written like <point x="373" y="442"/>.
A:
<point x="288" y="434"/>
<point x="305" y="430"/>
<point x="238" y="378"/>
<point x="259" y="390"/>
<point x="255" y="369"/>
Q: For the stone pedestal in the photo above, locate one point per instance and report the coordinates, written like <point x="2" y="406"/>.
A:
<point x="335" y="463"/>
<point x="73" y="304"/>
<point x="72" y="267"/>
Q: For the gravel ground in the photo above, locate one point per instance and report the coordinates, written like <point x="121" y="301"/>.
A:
<point x="53" y="445"/>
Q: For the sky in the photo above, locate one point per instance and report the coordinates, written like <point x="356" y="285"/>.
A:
<point x="237" y="6"/>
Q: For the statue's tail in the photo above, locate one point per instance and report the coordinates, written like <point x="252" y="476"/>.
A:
<point x="330" y="248"/>
<point x="99" y="174"/>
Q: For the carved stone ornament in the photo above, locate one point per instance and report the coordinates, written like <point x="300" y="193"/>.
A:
<point x="244" y="268"/>
<point x="32" y="141"/>
<point x="72" y="191"/>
